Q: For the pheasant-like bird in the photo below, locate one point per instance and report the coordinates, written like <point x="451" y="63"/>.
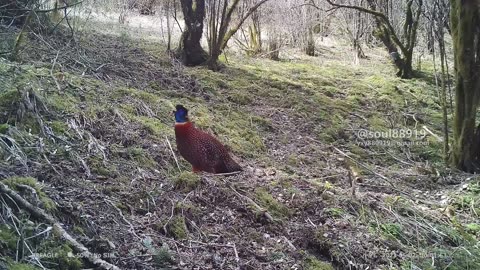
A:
<point x="201" y="149"/>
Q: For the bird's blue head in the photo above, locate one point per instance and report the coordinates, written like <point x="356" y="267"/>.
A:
<point x="181" y="114"/>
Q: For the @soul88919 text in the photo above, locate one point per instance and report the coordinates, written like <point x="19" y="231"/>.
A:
<point x="391" y="134"/>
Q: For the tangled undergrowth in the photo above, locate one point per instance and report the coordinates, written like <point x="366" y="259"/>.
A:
<point x="86" y="134"/>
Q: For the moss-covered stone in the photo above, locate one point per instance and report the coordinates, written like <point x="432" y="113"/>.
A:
<point x="63" y="103"/>
<point x="190" y="209"/>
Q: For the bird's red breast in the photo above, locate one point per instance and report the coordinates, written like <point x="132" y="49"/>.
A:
<point x="202" y="150"/>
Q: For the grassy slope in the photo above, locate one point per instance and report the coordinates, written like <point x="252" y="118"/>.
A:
<point x="104" y="150"/>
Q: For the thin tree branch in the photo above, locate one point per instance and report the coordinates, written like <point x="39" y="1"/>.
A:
<point x="380" y="15"/>
<point x="47" y="10"/>
<point x="239" y="24"/>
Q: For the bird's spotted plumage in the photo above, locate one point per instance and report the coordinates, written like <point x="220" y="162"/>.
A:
<point x="201" y="149"/>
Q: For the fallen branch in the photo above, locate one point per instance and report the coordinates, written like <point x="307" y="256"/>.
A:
<point x="237" y="258"/>
<point x="439" y="139"/>
<point x="42" y="215"/>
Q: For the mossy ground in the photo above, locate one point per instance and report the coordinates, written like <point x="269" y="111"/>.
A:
<point x="47" y="247"/>
<point x="16" y="183"/>
<point x="101" y="147"/>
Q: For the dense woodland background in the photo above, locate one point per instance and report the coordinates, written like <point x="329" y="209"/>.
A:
<point x="354" y="121"/>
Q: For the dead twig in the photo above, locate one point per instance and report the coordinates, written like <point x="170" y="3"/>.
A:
<point x="353" y="177"/>
<point x="227" y="174"/>
<point x="363" y="165"/>
<point x="440" y="139"/>
<point x="51" y="72"/>
<point x="237" y="259"/>
<point x="173" y="153"/>
<point x="170" y="218"/>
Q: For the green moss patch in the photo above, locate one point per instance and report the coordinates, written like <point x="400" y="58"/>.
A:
<point x="186" y="181"/>
<point x="272" y="205"/>
<point x="177" y="228"/>
<point x="8" y="238"/>
<point x="312" y="263"/>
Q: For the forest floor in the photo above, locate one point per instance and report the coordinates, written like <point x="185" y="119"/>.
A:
<point x="88" y="125"/>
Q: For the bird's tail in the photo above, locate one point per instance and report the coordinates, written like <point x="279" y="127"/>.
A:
<point x="229" y="166"/>
<point x="234" y="166"/>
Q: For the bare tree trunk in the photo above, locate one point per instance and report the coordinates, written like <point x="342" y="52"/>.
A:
<point x="122" y="18"/>
<point x="21" y="38"/>
<point x="437" y="28"/>
<point x="465" y="20"/>
<point x="358" y="49"/>
<point x="386" y="33"/>
<point x="310" y="43"/>
<point x="273" y="48"/>
<point x="358" y="34"/>
<point x="169" y="24"/>
<point x="189" y="50"/>
<point x="441" y="44"/>
<point x="222" y="34"/>
<point x="147" y="7"/>
<point x="255" y="34"/>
